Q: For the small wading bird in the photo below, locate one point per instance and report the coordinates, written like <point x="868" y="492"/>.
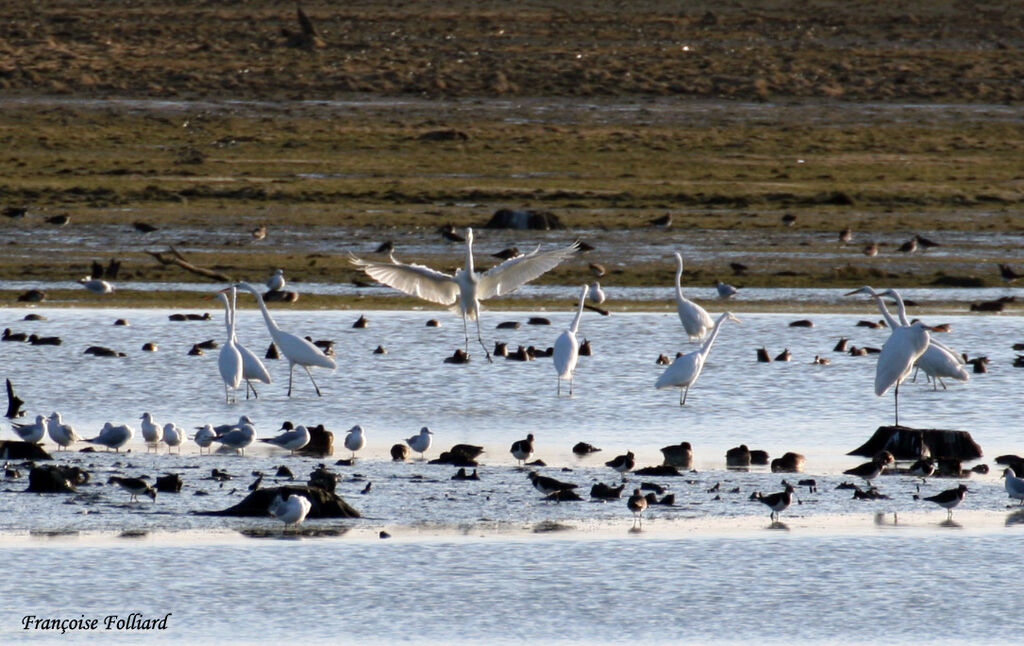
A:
<point x="134" y="486"/>
<point x="150" y="432"/>
<point x="173" y="436"/>
<point x="30" y="433"/>
<point x="949" y="498"/>
<point x="778" y="502"/>
<point x="637" y="503"/>
<point x="567" y="348"/>
<point x="695" y="319"/>
<point x="291" y="440"/>
<point x="355" y="439"/>
<point x="522" y="449"/>
<point x="276" y="281"/>
<point x="296" y="349"/>
<point x="63" y="434"/>
<point x="113" y="437"/>
<point x="466" y="288"/>
<point x="684" y="371"/>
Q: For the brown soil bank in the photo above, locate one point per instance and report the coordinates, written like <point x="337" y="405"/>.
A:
<point x="920" y="51"/>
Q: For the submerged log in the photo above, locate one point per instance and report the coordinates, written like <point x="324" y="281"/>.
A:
<point x="913" y="443"/>
<point x="324" y="503"/>
<point x="18" y="450"/>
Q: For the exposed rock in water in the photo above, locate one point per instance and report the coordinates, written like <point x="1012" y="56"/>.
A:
<point x="912" y="443"/>
<point x="53" y="478"/>
<point x="324" y="503"/>
<point x="18" y="450"/>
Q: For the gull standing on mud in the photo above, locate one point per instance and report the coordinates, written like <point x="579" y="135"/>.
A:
<point x="276" y="281"/>
<point x="291" y="510"/>
<point x="113" y="437"/>
<point x="420" y="442"/>
<point x="567" y="348"/>
<point x="30" y="433"/>
<point x="63" y="434"/>
<point x="466" y="288"/>
<point x="173" y="436"/>
<point x="204" y="437"/>
<point x="355" y="439"/>
<point x="291" y="440"/>
<point x="695" y="319"/>
<point x="238" y="438"/>
<point x="296" y="349"/>
<point x="150" y="432"/>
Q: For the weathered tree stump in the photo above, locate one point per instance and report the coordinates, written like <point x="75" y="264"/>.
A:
<point x="18" y="450"/>
<point x="524" y="219"/>
<point x="54" y="478"/>
<point x="324" y="503"/>
<point x="913" y="443"/>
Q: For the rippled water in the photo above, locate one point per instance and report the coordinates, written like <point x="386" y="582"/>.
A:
<point x="464" y="564"/>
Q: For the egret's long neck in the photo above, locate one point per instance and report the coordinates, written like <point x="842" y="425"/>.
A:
<point x="679" y="278"/>
<point x="901" y="307"/>
<point x="469" y="255"/>
<point x="234" y="310"/>
<point x="885" y="313"/>
<point x="706" y="348"/>
<point x="228" y="324"/>
<point x="271" y="325"/>
<point x="579" y="311"/>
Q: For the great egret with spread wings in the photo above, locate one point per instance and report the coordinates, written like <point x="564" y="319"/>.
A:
<point x="464" y="290"/>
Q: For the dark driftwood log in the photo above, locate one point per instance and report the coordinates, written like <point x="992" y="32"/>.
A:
<point x="172" y="257"/>
<point x="17" y="450"/>
<point x="912" y="443"/>
<point x="53" y="478"/>
<point x="324" y="503"/>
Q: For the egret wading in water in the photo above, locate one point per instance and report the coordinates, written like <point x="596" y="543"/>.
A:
<point x="229" y="362"/>
<point x="464" y="290"/>
<point x="904" y="347"/>
<point x="567" y="347"/>
<point x="296" y="349"/>
<point x="252" y="367"/>
<point x="684" y="371"/>
<point x="939" y="360"/>
<point x="695" y="319"/>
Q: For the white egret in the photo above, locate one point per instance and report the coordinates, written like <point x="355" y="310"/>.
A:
<point x="113" y="437"/>
<point x="695" y="319"/>
<point x="421" y="442"/>
<point x="904" y="347"/>
<point x="173" y="436"/>
<point x="684" y="371"/>
<point x="63" y="434"/>
<point x="31" y="433"/>
<point x="150" y="432"/>
<point x="229" y="362"/>
<point x="567" y="347"/>
<point x="252" y="366"/>
<point x="939" y="360"/>
<point x="296" y="349"/>
<point x="466" y="288"/>
<point x="276" y="281"/>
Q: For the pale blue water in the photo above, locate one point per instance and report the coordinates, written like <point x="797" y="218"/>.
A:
<point x="680" y="580"/>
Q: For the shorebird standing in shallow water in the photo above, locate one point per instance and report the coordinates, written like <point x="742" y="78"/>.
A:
<point x="778" y="502"/>
<point x="522" y="449"/>
<point x="622" y="464"/>
<point x="871" y="470"/>
<point x="63" y="434"/>
<point x="150" y="432"/>
<point x="949" y="498"/>
<point x="355" y="439"/>
<point x="695" y="319"/>
<point x="685" y="369"/>
<point x="134" y="486"/>
<point x="637" y="503"/>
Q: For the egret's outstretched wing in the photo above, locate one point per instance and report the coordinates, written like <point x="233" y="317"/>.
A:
<point x="415" y="280"/>
<point x="517" y="271"/>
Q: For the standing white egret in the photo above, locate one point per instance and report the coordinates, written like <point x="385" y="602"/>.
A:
<point x="900" y="352"/>
<point x="695" y="319"/>
<point x="567" y="347"/>
<point x="230" y="360"/>
<point x="684" y="371"/>
<point x="296" y="349"/>
<point x="63" y="434"/>
<point x="464" y="290"/>
<point x="939" y="360"/>
<point x="276" y="281"/>
<point x="252" y="366"/>
<point x="150" y="432"/>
